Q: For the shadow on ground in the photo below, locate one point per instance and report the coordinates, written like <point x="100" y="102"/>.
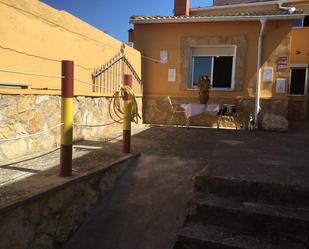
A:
<point x="146" y="210"/>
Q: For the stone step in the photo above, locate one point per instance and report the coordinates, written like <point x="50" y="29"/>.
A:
<point x="253" y="190"/>
<point x="251" y="217"/>
<point x="196" y="236"/>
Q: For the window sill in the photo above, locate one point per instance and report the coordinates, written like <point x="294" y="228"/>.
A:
<point x="306" y="27"/>
<point x="296" y="95"/>
<point x="214" y="89"/>
<point x="221" y="89"/>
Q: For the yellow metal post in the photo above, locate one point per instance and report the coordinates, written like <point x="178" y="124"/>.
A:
<point x="127" y="117"/>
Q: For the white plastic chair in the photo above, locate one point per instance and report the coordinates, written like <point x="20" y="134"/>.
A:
<point x="175" y="110"/>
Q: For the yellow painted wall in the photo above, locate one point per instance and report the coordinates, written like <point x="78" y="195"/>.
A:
<point x="299" y="52"/>
<point x="30" y="27"/>
<point x="300" y="37"/>
<point x="151" y="38"/>
<point x="300" y="46"/>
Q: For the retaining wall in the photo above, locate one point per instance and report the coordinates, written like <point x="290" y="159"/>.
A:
<point x="46" y="219"/>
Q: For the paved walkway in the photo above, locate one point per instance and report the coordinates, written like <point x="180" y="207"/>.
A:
<point x="147" y="208"/>
<point x="145" y="211"/>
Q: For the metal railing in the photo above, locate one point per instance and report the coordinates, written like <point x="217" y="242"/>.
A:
<point x="109" y="77"/>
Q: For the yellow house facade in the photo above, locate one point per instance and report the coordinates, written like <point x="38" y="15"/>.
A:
<point x="247" y="50"/>
<point x="298" y="104"/>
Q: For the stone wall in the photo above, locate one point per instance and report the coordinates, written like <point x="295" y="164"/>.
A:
<point x="48" y="219"/>
<point x="297" y="110"/>
<point x="156" y="110"/>
<point x="21" y="115"/>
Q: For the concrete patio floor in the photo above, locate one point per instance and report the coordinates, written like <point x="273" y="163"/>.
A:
<point x="146" y="210"/>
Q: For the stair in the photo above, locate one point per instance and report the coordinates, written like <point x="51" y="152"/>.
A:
<point x="250" y="190"/>
<point x="231" y="213"/>
<point x="215" y="237"/>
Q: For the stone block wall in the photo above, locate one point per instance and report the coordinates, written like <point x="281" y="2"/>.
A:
<point x="297" y="110"/>
<point x="21" y="115"/>
<point x="156" y="110"/>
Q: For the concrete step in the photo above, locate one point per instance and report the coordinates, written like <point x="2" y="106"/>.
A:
<point x="274" y="221"/>
<point x="214" y="237"/>
<point x="252" y="190"/>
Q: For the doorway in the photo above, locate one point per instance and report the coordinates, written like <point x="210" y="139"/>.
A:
<point x="298" y="89"/>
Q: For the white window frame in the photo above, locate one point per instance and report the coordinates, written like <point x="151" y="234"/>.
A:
<point x="191" y="75"/>
<point x="299" y="66"/>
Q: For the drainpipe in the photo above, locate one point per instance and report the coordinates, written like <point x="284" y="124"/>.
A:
<point x="258" y="71"/>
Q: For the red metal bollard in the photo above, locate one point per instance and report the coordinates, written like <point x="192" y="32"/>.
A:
<point x="67" y="109"/>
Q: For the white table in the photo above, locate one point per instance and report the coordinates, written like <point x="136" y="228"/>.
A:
<point x="193" y="109"/>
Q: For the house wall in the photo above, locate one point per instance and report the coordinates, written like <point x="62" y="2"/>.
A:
<point x="151" y="38"/>
<point x="300" y="43"/>
<point x="299" y="55"/>
<point x="299" y="105"/>
<point x="30" y="27"/>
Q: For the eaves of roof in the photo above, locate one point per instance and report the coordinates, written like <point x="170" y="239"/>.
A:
<point x="195" y="19"/>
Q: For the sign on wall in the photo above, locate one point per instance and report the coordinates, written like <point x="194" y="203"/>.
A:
<point x="282" y="63"/>
<point x="171" y="75"/>
<point x="280" y="85"/>
<point x="268" y="74"/>
<point x="163" y="56"/>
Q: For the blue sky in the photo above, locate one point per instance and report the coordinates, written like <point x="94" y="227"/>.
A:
<point x="112" y="16"/>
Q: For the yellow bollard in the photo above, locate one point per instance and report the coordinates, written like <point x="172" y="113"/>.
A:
<point x="127" y="117"/>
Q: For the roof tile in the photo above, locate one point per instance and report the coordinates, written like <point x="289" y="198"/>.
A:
<point x="272" y="12"/>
